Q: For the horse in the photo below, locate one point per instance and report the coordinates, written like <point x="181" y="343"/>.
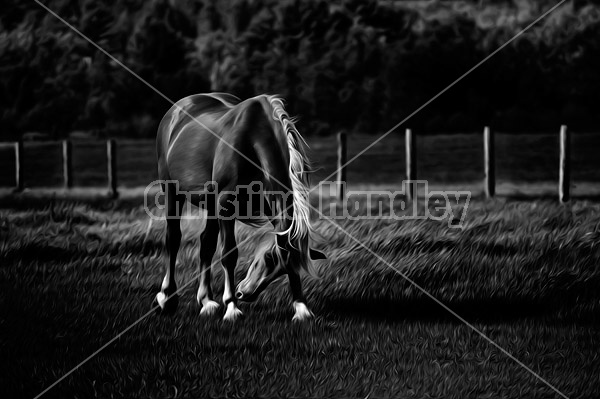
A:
<point x="211" y="144"/>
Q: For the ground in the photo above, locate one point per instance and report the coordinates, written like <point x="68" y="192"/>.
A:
<point x="75" y="274"/>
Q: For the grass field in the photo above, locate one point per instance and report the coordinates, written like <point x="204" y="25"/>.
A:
<point x="73" y="275"/>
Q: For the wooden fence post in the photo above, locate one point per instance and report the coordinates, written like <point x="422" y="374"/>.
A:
<point x="67" y="164"/>
<point x="564" y="172"/>
<point x="341" y="166"/>
<point x="111" y="155"/>
<point x="489" y="159"/>
<point x="18" y="166"/>
<point x="411" y="164"/>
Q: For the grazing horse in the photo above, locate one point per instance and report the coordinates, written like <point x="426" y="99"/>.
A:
<point x="213" y="143"/>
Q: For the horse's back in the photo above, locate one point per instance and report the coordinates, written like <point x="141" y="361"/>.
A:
<point x="247" y="127"/>
<point x="201" y="137"/>
<point x="195" y="106"/>
<point x="193" y="114"/>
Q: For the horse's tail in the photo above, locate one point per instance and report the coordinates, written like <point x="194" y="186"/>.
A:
<point x="299" y="230"/>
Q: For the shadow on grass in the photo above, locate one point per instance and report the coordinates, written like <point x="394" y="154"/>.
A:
<point x="566" y="308"/>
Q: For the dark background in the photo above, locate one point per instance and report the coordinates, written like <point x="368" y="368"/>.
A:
<point x="358" y="65"/>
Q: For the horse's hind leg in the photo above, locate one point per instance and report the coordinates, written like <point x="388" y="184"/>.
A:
<point x="167" y="298"/>
<point x="208" y="246"/>
<point x="229" y="260"/>
<point x="301" y="311"/>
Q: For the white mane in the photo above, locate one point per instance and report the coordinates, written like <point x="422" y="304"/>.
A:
<point x="300" y="229"/>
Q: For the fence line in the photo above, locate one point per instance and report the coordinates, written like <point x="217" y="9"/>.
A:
<point x="67" y="149"/>
<point x="341" y="165"/>
<point x="489" y="164"/>
<point x="564" y="171"/>
<point x="111" y="161"/>
<point x="18" y="168"/>
<point x="411" y="163"/>
<point x="67" y="165"/>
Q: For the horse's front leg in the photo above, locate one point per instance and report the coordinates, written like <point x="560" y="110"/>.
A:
<point x="301" y="311"/>
<point x="229" y="260"/>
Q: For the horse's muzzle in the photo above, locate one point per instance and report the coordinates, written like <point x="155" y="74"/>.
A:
<point x="241" y="296"/>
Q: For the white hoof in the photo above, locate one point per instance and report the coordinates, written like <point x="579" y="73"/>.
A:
<point x="209" y="308"/>
<point x="232" y="313"/>
<point x="167" y="304"/>
<point x="161" y="299"/>
<point x="301" y="312"/>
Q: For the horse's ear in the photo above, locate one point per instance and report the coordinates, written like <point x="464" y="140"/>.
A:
<point x="315" y="255"/>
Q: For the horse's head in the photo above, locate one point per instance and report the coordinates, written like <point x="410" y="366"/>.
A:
<point x="270" y="262"/>
<point x="266" y="267"/>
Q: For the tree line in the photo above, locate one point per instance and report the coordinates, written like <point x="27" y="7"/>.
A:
<point x="344" y="64"/>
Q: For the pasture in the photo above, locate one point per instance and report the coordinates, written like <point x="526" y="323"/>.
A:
<point x="74" y="274"/>
<point x="413" y="308"/>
